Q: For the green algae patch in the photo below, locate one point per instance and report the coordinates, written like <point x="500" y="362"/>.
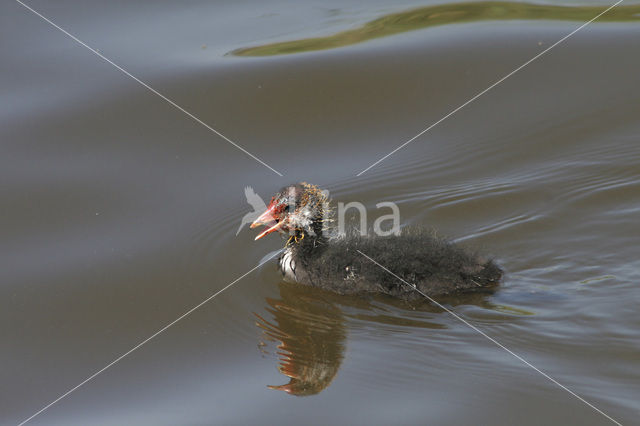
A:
<point x="432" y="16"/>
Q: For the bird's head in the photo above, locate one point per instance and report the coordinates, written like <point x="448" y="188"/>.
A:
<point x="297" y="210"/>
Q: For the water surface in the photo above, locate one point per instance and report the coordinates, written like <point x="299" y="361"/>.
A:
<point x="119" y="213"/>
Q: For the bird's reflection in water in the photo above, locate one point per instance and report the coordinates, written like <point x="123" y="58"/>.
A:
<point x="309" y="326"/>
<point x="311" y="332"/>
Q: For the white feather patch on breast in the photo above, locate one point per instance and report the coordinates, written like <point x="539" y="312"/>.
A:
<point x="287" y="266"/>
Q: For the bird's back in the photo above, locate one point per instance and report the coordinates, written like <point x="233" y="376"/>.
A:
<point x="435" y="265"/>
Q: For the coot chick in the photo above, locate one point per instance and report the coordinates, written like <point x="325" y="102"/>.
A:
<point x="315" y="255"/>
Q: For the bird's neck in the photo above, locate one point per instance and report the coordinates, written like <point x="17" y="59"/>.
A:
<point x="303" y="243"/>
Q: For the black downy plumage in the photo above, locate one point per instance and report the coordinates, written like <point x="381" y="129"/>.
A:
<point x="314" y="256"/>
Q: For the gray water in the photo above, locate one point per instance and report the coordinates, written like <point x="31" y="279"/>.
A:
<point x="119" y="212"/>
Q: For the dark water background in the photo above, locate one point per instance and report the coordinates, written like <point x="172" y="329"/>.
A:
<point x="119" y="213"/>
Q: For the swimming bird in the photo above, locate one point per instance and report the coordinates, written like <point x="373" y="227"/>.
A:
<point x="315" y="255"/>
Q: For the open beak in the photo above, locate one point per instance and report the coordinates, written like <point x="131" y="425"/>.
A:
<point x="274" y="228"/>
<point x="268" y="219"/>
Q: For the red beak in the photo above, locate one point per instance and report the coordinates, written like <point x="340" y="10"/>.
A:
<point x="265" y="218"/>
<point x="268" y="219"/>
